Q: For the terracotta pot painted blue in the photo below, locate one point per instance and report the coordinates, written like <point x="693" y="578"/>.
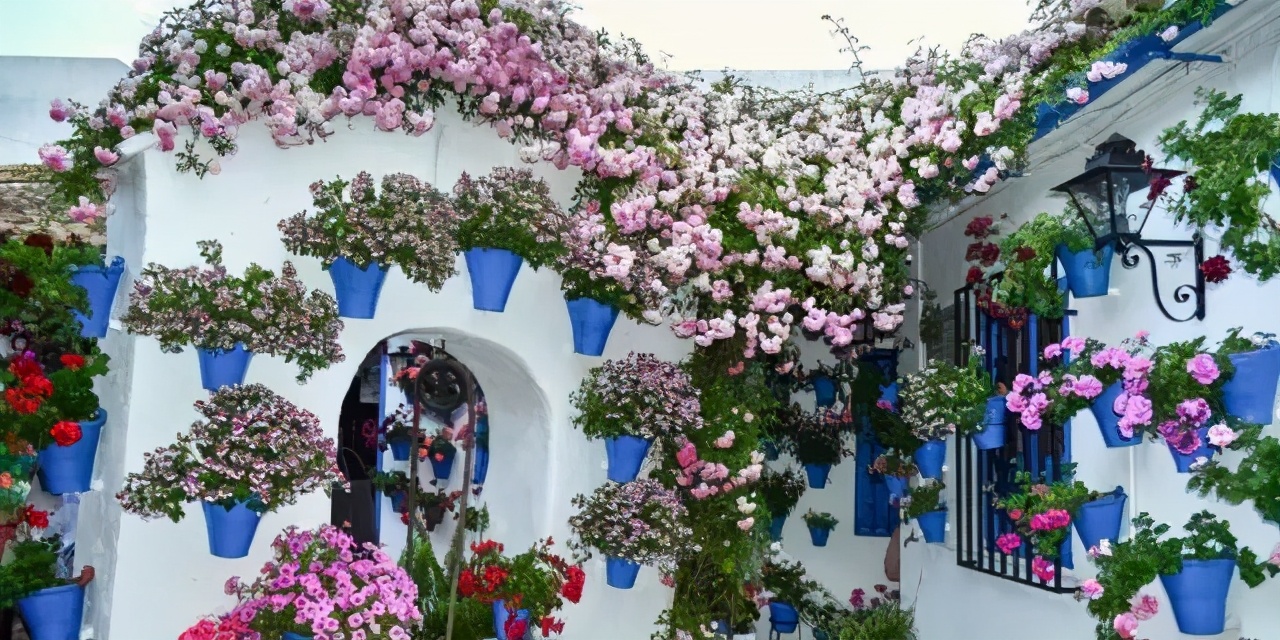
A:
<point x="100" y="284"/>
<point x="897" y="485"/>
<point x="397" y="501"/>
<point x="443" y="468"/>
<point x="1088" y="273"/>
<point x="54" y="613"/>
<point x="289" y="635"/>
<point x="1185" y="460"/>
<point x="1251" y="393"/>
<point x="824" y="391"/>
<point x="992" y="434"/>
<point x="1103" y="409"/>
<point x="818" y="474"/>
<point x="1101" y="519"/>
<point x="930" y="458"/>
<point x="357" y="289"/>
<point x="500" y="616"/>
<point x="770" y="449"/>
<point x="493" y="272"/>
<point x="626" y="455"/>
<point x="934" y="526"/>
<point x="819" y="536"/>
<point x="220" y="368"/>
<point x="783" y="617"/>
<point x="592" y="321"/>
<point x="1198" y="595"/>
<point x="70" y="469"/>
<point x="775" y="527"/>
<point x="620" y="573"/>
<point x="230" y="530"/>
<point x="399" y="448"/>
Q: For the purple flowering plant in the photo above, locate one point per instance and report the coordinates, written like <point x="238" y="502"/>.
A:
<point x="323" y="584"/>
<point x="510" y="209"/>
<point x="208" y="308"/>
<point x="407" y="223"/>
<point x="1185" y="389"/>
<point x="640" y="396"/>
<point x="641" y="521"/>
<point x="1042" y="511"/>
<point x="250" y="445"/>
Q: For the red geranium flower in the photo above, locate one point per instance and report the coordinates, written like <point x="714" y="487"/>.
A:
<point x="72" y="361"/>
<point x="41" y="241"/>
<point x="551" y="625"/>
<point x="1216" y="269"/>
<point x="66" y="433"/>
<point x="516" y="627"/>
<point x="37" y="519"/>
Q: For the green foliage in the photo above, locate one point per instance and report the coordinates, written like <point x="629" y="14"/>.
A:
<point x="895" y="462"/>
<point x="1036" y="498"/>
<point x="820" y="520"/>
<point x="944" y="399"/>
<point x="816" y="437"/>
<point x="510" y="209"/>
<point x="1028" y="254"/>
<point x="472" y="620"/>
<point x="786" y="581"/>
<point x="1255" y="479"/>
<point x="36" y="290"/>
<point x="390" y="481"/>
<point x="892" y="432"/>
<point x="1227" y="150"/>
<point x="1171" y="383"/>
<point x="925" y="497"/>
<point x="884" y="620"/>
<point x="780" y="491"/>
<point x="33" y="566"/>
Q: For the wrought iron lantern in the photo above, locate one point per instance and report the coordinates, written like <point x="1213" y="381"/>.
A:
<point x="1100" y="196"/>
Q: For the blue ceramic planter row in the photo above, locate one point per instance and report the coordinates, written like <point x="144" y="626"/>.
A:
<point x="70" y="469"/>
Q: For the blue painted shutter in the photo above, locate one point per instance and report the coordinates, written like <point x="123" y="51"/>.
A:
<point x="872" y="513"/>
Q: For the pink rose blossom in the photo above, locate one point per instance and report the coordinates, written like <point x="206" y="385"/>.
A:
<point x="1220" y="435"/>
<point x="1203" y="368"/>
<point x="1144" y="607"/>
<point x="55" y="157"/>
<point x="58" y="111"/>
<point x="84" y="212"/>
<point x="1126" y="625"/>
<point x="1091" y="589"/>
<point x="1077" y="95"/>
<point x="105" y="156"/>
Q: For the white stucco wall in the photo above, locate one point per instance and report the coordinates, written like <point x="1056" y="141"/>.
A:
<point x="27" y="84"/>
<point x="947" y="595"/>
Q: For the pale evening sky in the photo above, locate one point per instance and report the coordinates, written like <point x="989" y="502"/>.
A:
<point x="697" y="34"/>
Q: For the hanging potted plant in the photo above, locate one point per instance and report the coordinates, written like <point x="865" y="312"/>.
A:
<point x="525" y="590"/>
<point x="251" y="453"/>
<point x="926" y="507"/>
<point x="1186" y="394"/>
<point x="1043" y="512"/>
<point x="32" y="578"/>
<point x="630" y="403"/>
<point x="358" y="232"/>
<point x="1028" y="254"/>
<point x="15" y="485"/>
<point x="818" y="443"/>
<point x="228" y="319"/>
<point x="46" y="287"/>
<point x="940" y="401"/>
<point x="1250" y="393"/>
<point x="632" y="524"/>
<point x="440" y="451"/>
<point x="315" y="567"/>
<point x="1086" y="266"/>
<point x="433" y="506"/>
<point x="392" y="484"/>
<point x="820" y="525"/>
<point x="1111" y="381"/>
<point x="790" y="589"/>
<point x="1256" y="477"/>
<point x="396" y="433"/>
<point x="896" y="467"/>
<point x="780" y="492"/>
<point x="508" y="218"/>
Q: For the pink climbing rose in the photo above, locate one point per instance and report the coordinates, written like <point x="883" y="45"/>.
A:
<point x="1126" y="625"/>
<point x="1091" y="589"/>
<point x="1203" y="368"/>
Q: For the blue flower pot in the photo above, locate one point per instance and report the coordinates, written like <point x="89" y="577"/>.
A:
<point x="775" y="527"/>
<point x="992" y="434"/>
<point x="1198" y="595"/>
<point x="1251" y="393"/>
<point x="819" y="536"/>
<point x="493" y="271"/>
<point x="1088" y="273"/>
<point x="1185" y="460"/>
<point x="1103" y="409"/>
<point x="824" y="391"/>
<point x="500" y="615"/>
<point x="481" y="469"/>
<point x="889" y="393"/>
<point x="220" y="368"/>
<point x="818" y="474"/>
<point x="897" y="485"/>
<point x="399" y="448"/>
<point x="929" y="457"/>
<point x="397" y="501"/>
<point x="626" y="456"/>
<point x="442" y="468"/>
<point x="783" y="617"/>
<point x="934" y="526"/>
<point x="357" y="289"/>
<point x="100" y="284"/>
<point x="230" y="530"/>
<point x="70" y="469"/>
<point x="1047" y="119"/>
<point x="289" y="635"/>
<point x="770" y="449"/>
<point x="591" y="321"/>
<point x="1101" y="519"/>
<point x="621" y="573"/>
<point x="1275" y="170"/>
<point x="54" y="613"/>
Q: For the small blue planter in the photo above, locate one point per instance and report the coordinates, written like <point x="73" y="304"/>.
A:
<point x="592" y="321"/>
<point x="992" y="434"/>
<point x="54" y="613"/>
<point x="1251" y="393"/>
<point x="818" y="474"/>
<point x="1275" y="170"/>
<point x="934" y="526"/>
<point x="897" y="485"/>
<point x="100" y="284"/>
<point x="930" y="457"/>
<point x="621" y="573"/>
<point x="357" y="289"/>
<point x="1088" y="273"/>
<point x="442" y="468"/>
<point x="70" y="469"/>
<point x="1103" y="409"/>
<point x="397" y="501"/>
<point x="1184" y="460"/>
<point x="783" y="617"/>
<point x="770" y="449"/>
<point x="493" y="272"/>
<point x="775" y="527"/>
<point x="230" y="530"/>
<point x="481" y="471"/>
<point x="626" y="456"/>
<point x="1198" y="595"/>
<point x="819" y="536"/>
<point x="889" y="393"/>
<point x="220" y="368"/>
<point x="399" y="448"/>
<point x="824" y="391"/>
<point x="289" y="635"/>
<point x="500" y="616"/>
<point x="1101" y="519"/>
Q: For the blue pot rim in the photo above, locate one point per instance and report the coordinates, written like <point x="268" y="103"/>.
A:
<point x="112" y="268"/>
<point x="1107" y="499"/>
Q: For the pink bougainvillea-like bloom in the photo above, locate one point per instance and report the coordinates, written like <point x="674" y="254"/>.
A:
<point x="1169" y="34"/>
<point x="1091" y="589"/>
<point x="1008" y="542"/>
<point x="105" y="156"/>
<point x="1043" y="569"/>
<point x="58" y="111"/>
<point x="1220" y="435"/>
<point x="1203" y="368"/>
<point x="84" y="212"/>
<point x="55" y="157"/>
<point x="1126" y="626"/>
<point x="1144" y="607"/>
<point x="1275" y="556"/>
<point x="1050" y="520"/>
<point x="1077" y="95"/>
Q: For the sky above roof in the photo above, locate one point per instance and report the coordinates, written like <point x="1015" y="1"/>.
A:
<point x="683" y="34"/>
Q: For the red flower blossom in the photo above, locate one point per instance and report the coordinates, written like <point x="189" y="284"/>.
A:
<point x="978" y="227"/>
<point x="1159" y="182"/>
<point x="974" y="275"/>
<point x="1189" y="184"/>
<point x="66" y="433"/>
<point x="1024" y="254"/>
<point x="516" y="627"/>
<point x="41" y="241"/>
<point x="20" y="284"/>
<point x="1216" y="269"/>
<point x="990" y="253"/>
<point x="25" y="366"/>
<point x="72" y="361"/>
<point x="37" y="519"/>
<point x="551" y="625"/>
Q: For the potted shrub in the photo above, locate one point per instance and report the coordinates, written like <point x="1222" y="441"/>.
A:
<point x="525" y="590"/>
<point x="440" y="451"/>
<point x="1186" y="393"/>
<point x="631" y="402"/>
<point x="358" y="232"/>
<point x="780" y="492"/>
<point x="1043" y="512"/>
<point x="820" y="525"/>
<point x="228" y="318"/>
<point x="817" y="442"/>
<point x="786" y="581"/>
<point x="896" y="467"/>
<point x="251" y="453"/>
<point x="317" y="600"/>
<point x="506" y="219"/>
<point x="52" y="603"/>
<point x="433" y="506"/>
<point x="926" y="506"/>
<point x="632" y="524"/>
<point x="881" y="617"/>
<point x="1028" y="254"/>
<point x="942" y="400"/>
<point x="393" y="484"/>
<point x="52" y="287"/>
<point x="1250" y="393"/>
<point x="15" y="474"/>
<point x="396" y="433"/>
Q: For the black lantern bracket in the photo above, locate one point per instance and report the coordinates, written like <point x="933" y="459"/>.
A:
<point x="1100" y="196"/>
